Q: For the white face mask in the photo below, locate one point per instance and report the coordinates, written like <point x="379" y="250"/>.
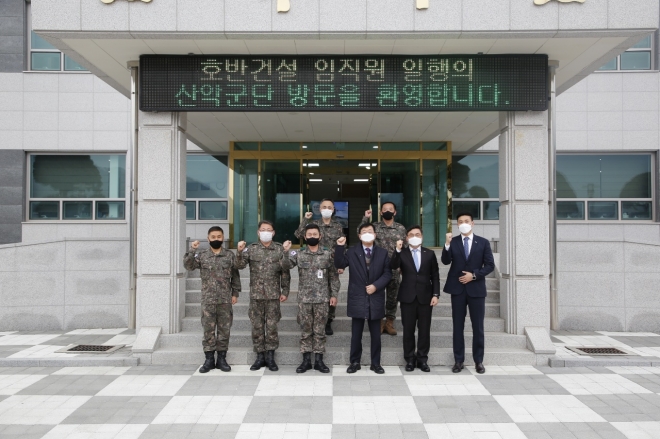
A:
<point x="266" y="236"/>
<point x="367" y="237"/>
<point x="465" y="228"/>
<point x="326" y="213"/>
<point x="415" y="241"/>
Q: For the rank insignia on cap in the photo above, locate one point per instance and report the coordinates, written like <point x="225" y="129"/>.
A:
<point x="293" y="252"/>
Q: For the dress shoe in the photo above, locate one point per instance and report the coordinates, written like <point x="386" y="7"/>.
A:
<point x="423" y="367"/>
<point x="259" y="362"/>
<point x="306" y="363"/>
<point x="457" y="367"/>
<point x="389" y="326"/>
<point x="410" y="366"/>
<point x="328" y="328"/>
<point x="354" y="367"/>
<point x="209" y="363"/>
<point x="480" y="368"/>
<point x="377" y="368"/>
<point x="222" y="362"/>
<point x="320" y="365"/>
<point x="270" y="361"/>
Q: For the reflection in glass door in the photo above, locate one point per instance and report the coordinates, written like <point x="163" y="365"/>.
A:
<point x="281" y="196"/>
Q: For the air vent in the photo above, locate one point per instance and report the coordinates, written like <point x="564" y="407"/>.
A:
<point x="598" y="350"/>
<point x="89" y="349"/>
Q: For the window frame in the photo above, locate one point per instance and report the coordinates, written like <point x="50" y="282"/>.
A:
<point x="481" y="202"/>
<point x="30" y="51"/>
<point x="651" y="50"/>
<point x="196" y="220"/>
<point x="60" y="200"/>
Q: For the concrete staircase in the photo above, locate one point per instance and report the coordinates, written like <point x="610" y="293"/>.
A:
<point x="186" y="347"/>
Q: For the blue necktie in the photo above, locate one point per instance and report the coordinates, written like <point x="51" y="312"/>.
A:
<point x="416" y="258"/>
<point x="466" y="246"/>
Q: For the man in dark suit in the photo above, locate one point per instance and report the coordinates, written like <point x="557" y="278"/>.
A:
<point x="418" y="294"/>
<point x="369" y="275"/>
<point x="471" y="261"/>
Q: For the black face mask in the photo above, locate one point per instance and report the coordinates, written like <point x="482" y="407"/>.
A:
<point x="215" y="244"/>
<point x="387" y="215"/>
<point x="312" y="241"/>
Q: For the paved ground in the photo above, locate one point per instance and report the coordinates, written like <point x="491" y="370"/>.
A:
<point x="178" y="402"/>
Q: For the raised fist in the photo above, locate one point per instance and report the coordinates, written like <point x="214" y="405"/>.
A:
<point x="367" y="213"/>
<point x="449" y="236"/>
<point x="308" y="215"/>
<point x="399" y="244"/>
<point x="286" y="245"/>
<point x="341" y="241"/>
<point x="240" y="246"/>
<point x="194" y="245"/>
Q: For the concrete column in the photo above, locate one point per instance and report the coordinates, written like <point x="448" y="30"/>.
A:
<point x="524" y="230"/>
<point x="161" y="220"/>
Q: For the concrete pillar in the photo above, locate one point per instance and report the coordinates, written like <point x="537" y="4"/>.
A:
<point x="161" y="220"/>
<point x="524" y="230"/>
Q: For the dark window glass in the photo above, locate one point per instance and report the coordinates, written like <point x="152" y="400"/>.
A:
<point x="636" y="60"/>
<point x="46" y="61"/>
<point x="246" y="199"/>
<point x="190" y="210"/>
<point x="466" y="206"/>
<point x="611" y="65"/>
<point x="210" y="210"/>
<point x="77" y="210"/>
<point x="246" y="146"/>
<point x="71" y="65"/>
<point x="281" y="187"/>
<point x="570" y="210"/>
<point x="399" y="183"/>
<point x="399" y="146"/>
<point x="339" y="146"/>
<point x="491" y="210"/>
<point x="39" y="43"/>
<point x="280" y="146"/>
<point x="475" y="176"/>
<point x="206" y="176"/>
<point x="434" y="146"/>
<point x="44" y="210"/>
<point x="77" y="176"/>
<point x="110" y="210"/>
<point x="645" y="43"/>
<point x="603" y="210"/>
<point x="632" y="210"/>
<point x="603" y="176"/>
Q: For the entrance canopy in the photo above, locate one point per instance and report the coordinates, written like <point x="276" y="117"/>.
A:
<point x="106" y="38"/>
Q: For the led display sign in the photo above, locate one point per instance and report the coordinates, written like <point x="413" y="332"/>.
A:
<point x="343" y="83"/>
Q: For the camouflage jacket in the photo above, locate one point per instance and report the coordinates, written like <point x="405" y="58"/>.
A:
<point x="387" y="236"/>
<point x="331" y="232"/>
<point x="219" y="273"/>
<point x="268" y="280"/>
<point x="318" y="278"/>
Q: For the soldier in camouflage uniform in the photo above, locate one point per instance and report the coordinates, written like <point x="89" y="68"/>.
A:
<point x="318" y="286"/>
<point x="388" y="232"/>
<point x="221" y="285"/>
<point x="331" y="231"/>
<point x="269" y="285"/>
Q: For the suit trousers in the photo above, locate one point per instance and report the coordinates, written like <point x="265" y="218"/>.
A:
<point x="460" y="303"/>
<point x="356" y="340"/>
<point x="418" y="315"/>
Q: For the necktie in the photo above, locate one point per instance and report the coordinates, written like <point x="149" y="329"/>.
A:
<point x="466" y="246"/>
<point x="416" y="258"/>
<point x="368" y="250"/>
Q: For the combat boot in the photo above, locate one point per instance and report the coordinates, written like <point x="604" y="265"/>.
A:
<point x="389" y="326"/>
<point x="382" y="326"/>
<point x="306" y="363"/>
<point x="270" y="361"/>
<point x="222" y="362"/>
<point x="209" y="363"/>
<point x="259" y="362"/>
<point x="320" y="365"/>
<point x="328" y="328"/>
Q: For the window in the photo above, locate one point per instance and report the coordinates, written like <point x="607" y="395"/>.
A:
<point x="44" y="57"/>
<point x="475" y="186"/>
<point x="638" y="57"/>
<point x="602" y="187"/>
<point x="206" y="187"/>
<point x="77" y="187"/>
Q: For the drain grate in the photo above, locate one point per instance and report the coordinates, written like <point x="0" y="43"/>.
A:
<point x="89" y="349"/>
<point x="598" y="350"/>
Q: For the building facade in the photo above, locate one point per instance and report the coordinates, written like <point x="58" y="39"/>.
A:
<point x="66" y="119"/>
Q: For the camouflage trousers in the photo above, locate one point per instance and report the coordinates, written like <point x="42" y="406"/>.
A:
<point x="216" y="317"/>
<point x="312" y="318"/>
<point x="264" y="315"/>
<point x="331" y="313"/>
<point x="392" y="291"/>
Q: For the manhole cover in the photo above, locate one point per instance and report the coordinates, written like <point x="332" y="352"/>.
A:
<point x="598" y="350"/>
<point x="89" y="349"/>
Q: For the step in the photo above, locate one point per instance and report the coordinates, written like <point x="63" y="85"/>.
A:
<point x="290" y="309"/>
<point x="492" y="283"/>
<point x="195" y="297"/>
<point x="340" y="356"/>
<point x="438" y="324"/>
<point x="343" y="339"/>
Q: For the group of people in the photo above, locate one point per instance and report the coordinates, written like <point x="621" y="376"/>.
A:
<point x="389" y="266"/>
